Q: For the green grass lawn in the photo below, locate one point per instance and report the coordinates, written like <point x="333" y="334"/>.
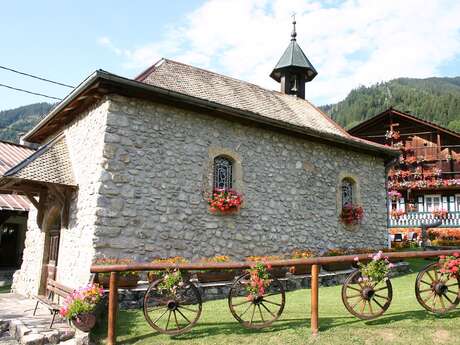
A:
<point x="405" y="322"/>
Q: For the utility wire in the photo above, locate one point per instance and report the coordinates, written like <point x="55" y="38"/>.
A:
<point x="32" y="93"/>
<point x="36" y="77"/>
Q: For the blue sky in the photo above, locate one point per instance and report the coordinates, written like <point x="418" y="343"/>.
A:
<point x="350" y="43"/>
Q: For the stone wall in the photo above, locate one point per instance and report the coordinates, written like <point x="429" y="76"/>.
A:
<point x="156" y="178"/>
<point x="26" y="281"/>
<point x="85" y="139"/>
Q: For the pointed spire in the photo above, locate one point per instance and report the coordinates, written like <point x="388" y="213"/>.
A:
<point x="294" y="33"/>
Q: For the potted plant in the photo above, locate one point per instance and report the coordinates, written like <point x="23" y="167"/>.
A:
<point x="220" y="275"/>
<point x="275" y="272"/>
<point x="225" y="201"/>
<point x="79" y="307"/>
<point x="301" y="269"/>
<point x="155" y="275"/>
<point x="171" y="281"/>
<point x="259" y="280"/>
<point x="351" y="214"/>
<point x="125" y="279"/>
<point x="376" y="269"/>
<point x="337" y="266"/>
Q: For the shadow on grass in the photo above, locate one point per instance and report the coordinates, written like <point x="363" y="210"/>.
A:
<point x="206" y="329"/>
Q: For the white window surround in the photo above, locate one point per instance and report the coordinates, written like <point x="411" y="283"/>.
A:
<point x="433" y="202"/>
<point x="457" y="202"/>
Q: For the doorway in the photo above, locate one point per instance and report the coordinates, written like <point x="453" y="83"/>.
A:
<point x="52" y="227"/>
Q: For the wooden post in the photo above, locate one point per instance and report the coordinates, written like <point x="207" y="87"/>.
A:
<point x="113" y="309"/>
<point x="314" y="299"/>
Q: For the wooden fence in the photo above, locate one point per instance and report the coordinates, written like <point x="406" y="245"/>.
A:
<point x="314" y="262"/>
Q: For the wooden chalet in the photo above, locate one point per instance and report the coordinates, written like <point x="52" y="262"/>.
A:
<point x="424" y="182"/>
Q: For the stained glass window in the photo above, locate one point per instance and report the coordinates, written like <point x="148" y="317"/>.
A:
<point x="347" y="192"/>
<point x="223" y="173"/>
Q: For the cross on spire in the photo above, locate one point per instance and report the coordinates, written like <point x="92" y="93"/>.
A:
<point x="294" y="33"/>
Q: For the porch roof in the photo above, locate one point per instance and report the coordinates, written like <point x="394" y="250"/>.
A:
<point x="49" y="164"/>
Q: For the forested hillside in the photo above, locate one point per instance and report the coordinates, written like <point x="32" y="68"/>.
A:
<point x="15" y="122"/>
<point x="433" y="99"/>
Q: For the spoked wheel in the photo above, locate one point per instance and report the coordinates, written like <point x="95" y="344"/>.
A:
<point x="366" y="300"/>
<point x="435" y="291"/>
<point x="259" y="312"/>
<point x="172" y="313"/>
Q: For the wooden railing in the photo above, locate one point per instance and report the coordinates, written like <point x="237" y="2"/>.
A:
<point x="414" y="219"/>
<point x="314" y="262"/>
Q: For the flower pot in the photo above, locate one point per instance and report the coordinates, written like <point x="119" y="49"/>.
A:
<point x="216" y="276"/>
<point x="337" y="266"/>
<point x="300" y="269"/>
<point x="84" y="322"/>
<point x="128" y="281"/>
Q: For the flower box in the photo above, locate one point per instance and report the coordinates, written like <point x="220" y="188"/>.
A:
<point x="124" y="281"/>
<point x="277" y="272"/>
<point x="300" y="269"/>
<point x="338" y="266"/>
<point x="216" y="276"/>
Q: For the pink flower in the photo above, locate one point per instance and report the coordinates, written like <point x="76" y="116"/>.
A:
<point x="356" y="258"/>
<point x="391" y="265"/>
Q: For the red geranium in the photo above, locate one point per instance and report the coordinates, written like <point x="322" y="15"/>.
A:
<point x="224" y="200"/>
<point x="450" y="264"/>
<point x="351" y="214"/>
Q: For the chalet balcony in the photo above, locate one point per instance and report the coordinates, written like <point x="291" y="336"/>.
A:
<point x="415" y="219"/>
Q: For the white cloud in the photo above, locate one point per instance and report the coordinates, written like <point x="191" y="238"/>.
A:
<point x="351" y="43"/>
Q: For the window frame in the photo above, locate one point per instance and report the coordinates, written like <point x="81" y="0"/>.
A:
<point x="432" y="196"/>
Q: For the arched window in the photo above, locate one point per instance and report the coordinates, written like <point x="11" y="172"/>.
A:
<point x="223" y="173"/>
<point x="347" y="192"/>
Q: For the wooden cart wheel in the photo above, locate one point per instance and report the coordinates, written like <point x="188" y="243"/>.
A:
<point x="260" y="312"/>
<point x="172" y="313"/>
<point x="366" y="300"/>
<point x="435" y="291"/>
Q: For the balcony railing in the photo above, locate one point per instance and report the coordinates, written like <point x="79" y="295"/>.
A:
<point x="415" y="219"/>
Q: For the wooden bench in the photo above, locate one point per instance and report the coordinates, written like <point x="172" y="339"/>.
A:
<point x="55" y="294"/>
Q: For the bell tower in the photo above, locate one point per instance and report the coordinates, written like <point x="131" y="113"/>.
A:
<point x="294" y="69"/>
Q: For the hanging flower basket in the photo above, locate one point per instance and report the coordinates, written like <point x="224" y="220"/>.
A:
<point x="394" y="195"/>
<point x="351" y="215"/>
<point x="225" y="201"/>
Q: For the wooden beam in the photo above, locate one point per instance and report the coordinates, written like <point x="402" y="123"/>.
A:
<point x="58" y="193"/>
<point x="41" y="207"/>
<point x="33" y="200"/>
<point x="314" y="325"/>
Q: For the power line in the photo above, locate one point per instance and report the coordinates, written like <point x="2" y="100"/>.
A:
<point x="36" y="77"/>
<point x="32" y="93"/>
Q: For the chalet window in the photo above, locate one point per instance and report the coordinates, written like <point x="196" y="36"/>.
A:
<point x="223" y="173"/>
<point x="457" y="202"/>
<point x="347" y="192"/>
<point x="432" y="202"/>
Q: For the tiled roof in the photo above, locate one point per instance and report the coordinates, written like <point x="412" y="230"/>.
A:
<point x="10" y="155"/>
<point x="50" y="164"/>
<point x="14" y="202"/>
<point x="238" y="94"/>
